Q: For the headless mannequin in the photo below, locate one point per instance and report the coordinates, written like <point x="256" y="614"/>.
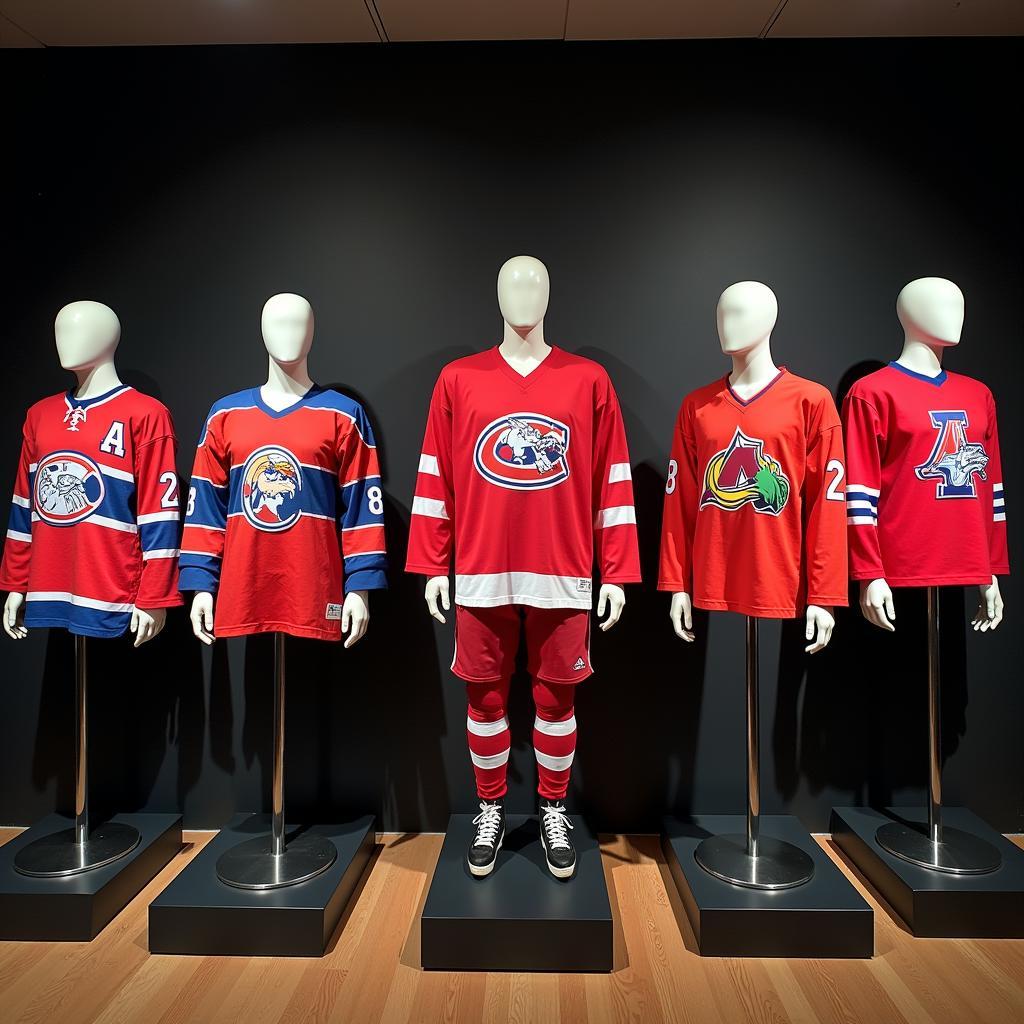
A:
<point x="87" y="335"/>
<point x="288" y="336"/>
<point x="931" y="310"/>
<point x="523" y="292"/>
<point x="747" y="313"/>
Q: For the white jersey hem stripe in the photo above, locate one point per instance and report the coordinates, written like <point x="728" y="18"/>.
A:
<point x="77" y="601"/>
<point x="486" y="590"/>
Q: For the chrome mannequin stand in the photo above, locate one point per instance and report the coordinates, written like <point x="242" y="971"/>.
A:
<point x="753" y="860"/>
<point x="74" y="850"/>
<point x="941" y="848"/>
<point x="274" y="861"/>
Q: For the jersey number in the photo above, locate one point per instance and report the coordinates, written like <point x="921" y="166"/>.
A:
<point x="832" y="492"/>
<point x="673" y="472"/>
<point x="375" y="500"/>
<point x="169" y="499"/>
<point x="113" y="443"/>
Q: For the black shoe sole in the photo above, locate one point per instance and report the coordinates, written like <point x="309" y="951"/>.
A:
<point x="483" y="870"/>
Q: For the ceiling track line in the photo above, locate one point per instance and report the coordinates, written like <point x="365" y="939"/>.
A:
<point x="770" y="23"/>
<point x="565" y="21"/>
<point x="11" y="21"/>
<point x="378" y="21"/>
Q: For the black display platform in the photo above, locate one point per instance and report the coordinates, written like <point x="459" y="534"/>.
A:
<point x="935" y="904"/>
<point x="78" y="907"/>
<point x="198" y="914"/>
<point x="824" y="918"/>
<point x="518" y="918"/>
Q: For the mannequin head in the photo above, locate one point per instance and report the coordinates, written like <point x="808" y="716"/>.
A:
<point x="523" y="290"/>
<point x="87" y="334"/>
<point x="287" y="328"/>
<point x="747" y="312"/>
<point x="931" y="309"/>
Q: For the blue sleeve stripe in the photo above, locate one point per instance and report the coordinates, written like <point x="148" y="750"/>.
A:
<point x="364" y="480"/>
<point x="161" y="535"/>
<point x="358" y="563"/>
<point x="855" y="495"/>
<point x="209" y="504"/>
<point x="20" y="520"/>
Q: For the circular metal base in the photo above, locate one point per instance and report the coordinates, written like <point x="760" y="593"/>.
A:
<point x="778" y="865"/>
<point x="959" y="853"/>
<point x="57" y="855"/>
<point x="252" y="865"/>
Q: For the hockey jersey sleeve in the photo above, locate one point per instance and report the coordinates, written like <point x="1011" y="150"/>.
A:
<point x="863" y="431"/>
<point x="361" y="507"/>
<point x="206" y="516"/>
<point x="824" y="510"/>
<point x="615" y="538"/>
<point x="18" y="542"/>
<point x="679" y="515"/>
<point x="433" y="504"/>
<point x="997" y="546"/>
<point x="157" y="514"/>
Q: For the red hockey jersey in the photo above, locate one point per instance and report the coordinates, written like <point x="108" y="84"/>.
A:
<point x="94" y="522"/>
<point x="754" y="518"/>
<point x="528" y="476"/>
<point x="925" y="490"/>
<point x="273" y="495"/>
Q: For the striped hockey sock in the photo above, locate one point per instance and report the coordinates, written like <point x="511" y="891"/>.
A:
<point x="489" y="742"/>
<point x="554" y="744"/>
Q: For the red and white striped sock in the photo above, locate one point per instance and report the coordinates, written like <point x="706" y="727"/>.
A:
<point x="554" y="738"/>
<point x="489" y="738"/>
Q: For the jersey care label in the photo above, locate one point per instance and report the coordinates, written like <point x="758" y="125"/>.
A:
<point x="584" y="586"/>
<point x="333" y="611"/>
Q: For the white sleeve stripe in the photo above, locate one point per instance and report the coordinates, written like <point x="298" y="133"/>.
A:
<point x="23" y="502"/>
<point x="492" y="761"/>
<point x="364" y="526"/>
<point x="999" y="517"/>
<point x="433" y="508"/>
<point x="117" y="474"/>
<point x="33" y="466"/>
<point x="158" y="517"/>
<point x="554" y="764"/>
<point x="486" y="728"/>
<point x="203" y="526"/>
<point x="866" y="506"/>
<point x="566" y="728"/>
<point x="862" y="520"/>
<point x="851" y="486"/>
<point x="618" y="515"/>
<point x="25" y="538"/>
<point x="202" y="554"/>
<point x="428" y="465"/>
<point x="160" y="553"/>
<point x="619" y="471"/>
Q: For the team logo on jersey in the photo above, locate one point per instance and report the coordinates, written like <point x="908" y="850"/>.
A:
<point x="743" y="474"/>
<point x="271" y="482"/>
<point x="523" y="451"/>
<point x="68" y="488"/>
<point x="76" y="414"/>
<point x="954" y="461"/>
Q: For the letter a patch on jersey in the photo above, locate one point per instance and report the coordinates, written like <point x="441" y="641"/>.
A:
<point x="743" y="474"/>
<point x="954" y="461"/>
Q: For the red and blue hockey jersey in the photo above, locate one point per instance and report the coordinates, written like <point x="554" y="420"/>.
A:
<point x="273" y="495"/>
<point x="530" y="477"/>
<point x="94" y="524"/>
<point x="924" y="497"/>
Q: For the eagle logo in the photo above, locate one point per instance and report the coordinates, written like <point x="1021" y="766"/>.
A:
<point x="271" y="486"/>
<point x="954" y="461"/>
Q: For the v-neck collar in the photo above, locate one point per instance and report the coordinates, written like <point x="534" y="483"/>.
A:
<point x="277" y="414"/>
<point x="744" y="402"/>
<point x="532" y="376"/>
<point x="937" y="381"/>
<point x="85" y="403"/>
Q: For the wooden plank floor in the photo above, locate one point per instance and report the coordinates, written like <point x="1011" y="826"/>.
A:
<point x="371" y="972"/>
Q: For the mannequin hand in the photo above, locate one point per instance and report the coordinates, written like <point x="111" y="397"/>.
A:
<point x="14" y="616"/>
<point x="681" y="614"/>
<point x="820" y="623"/>
<point x="146" y="624"/>
<point x="437" y="588"/>
<point x="614" y="599"/>
<point x="202" y="617"/>
<point x="355" y="617"/>
<point x="876" y="604"/>
<point x="988" y="615"/>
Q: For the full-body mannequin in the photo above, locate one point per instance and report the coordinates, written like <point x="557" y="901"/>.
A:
<point x="87" y="335"/>
<point x="931" y="310"/>
<point x="523" y="292"/>
<point x="747" y="313"/>
<point x="288" y="326"/>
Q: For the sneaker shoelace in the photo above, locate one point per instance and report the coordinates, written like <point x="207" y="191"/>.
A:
<point x="556" y="821"/>
<point x="488" y="823"/>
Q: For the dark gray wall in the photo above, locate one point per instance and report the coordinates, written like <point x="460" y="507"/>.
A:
<point x="387" y="184"/>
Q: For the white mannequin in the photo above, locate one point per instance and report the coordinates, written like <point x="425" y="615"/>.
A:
<point x="747" y="312"/>
<point x="523" y="292"/>
<point x="287" y="324"/>
<point x="87" y="334"/>
<point x="931" y="310"/>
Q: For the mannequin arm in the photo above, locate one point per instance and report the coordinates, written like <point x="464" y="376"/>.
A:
<point x="990" y="607"/>
<point x="681" y="614"/>
<point x="820" y="623"/>
<point x="201" y="617"/>
<point x="876" y="604"/>
<point x="14" y="616"/>
<point x="613" y="598"/>
<point x="437" y="590"/>
<point x="355" y="616"/>
<point x="146" y="624"/>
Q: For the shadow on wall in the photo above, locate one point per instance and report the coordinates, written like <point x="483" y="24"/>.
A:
<point x="854" y="717"/>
